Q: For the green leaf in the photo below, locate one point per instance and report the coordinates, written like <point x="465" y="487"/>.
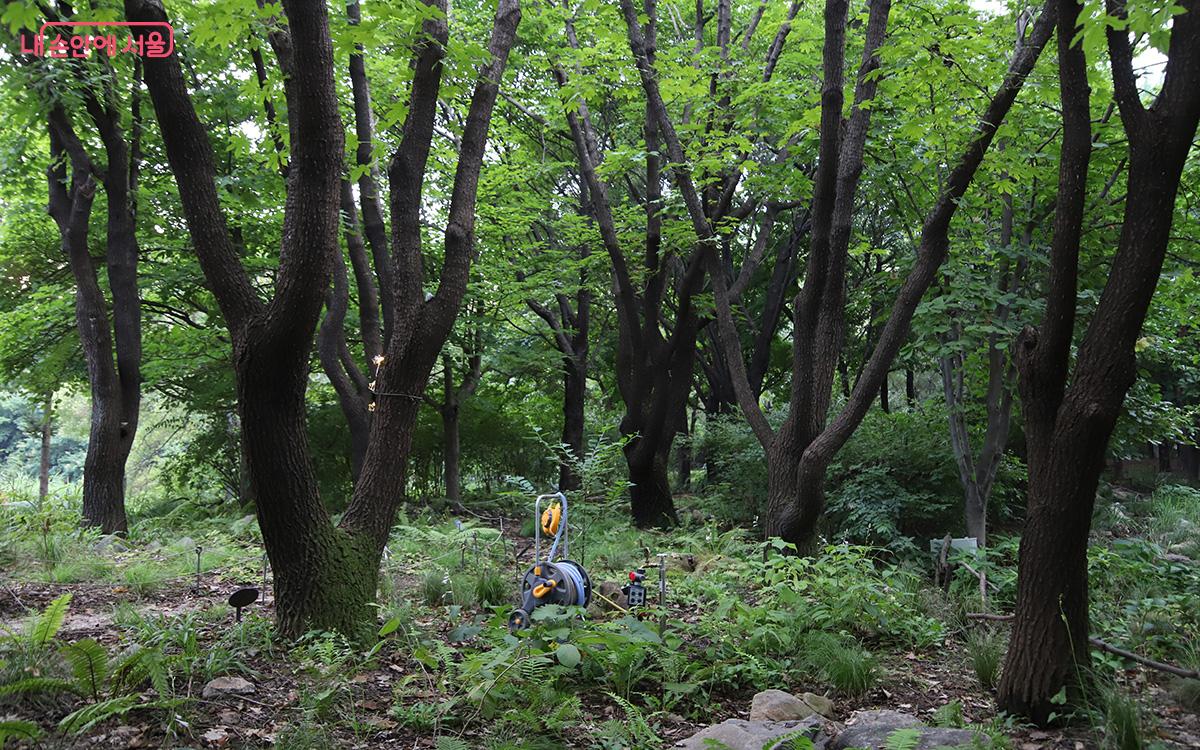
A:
<point x="89" y="663"/>
<point x="89" y="716"/>
<point x="37" y="685"/>
<point x="50" y="621"/>
<point x="903" y="739"/>
<point x="18" y="729"/>
<point x="568" y="655"/>
<point x="21" y="15"/>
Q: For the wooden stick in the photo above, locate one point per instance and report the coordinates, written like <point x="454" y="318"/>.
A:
<point x="1103" y="646"/>
<point x="988" y="616"/>
<point x="1179" y="671"/>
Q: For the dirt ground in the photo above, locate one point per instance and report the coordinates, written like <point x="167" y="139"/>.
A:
<point x="915" y="683"/>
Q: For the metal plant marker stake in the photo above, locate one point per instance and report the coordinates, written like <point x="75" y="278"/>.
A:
<point x="662" y="594"/>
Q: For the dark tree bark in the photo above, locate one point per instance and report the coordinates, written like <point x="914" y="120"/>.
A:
<point x="330" y="585"/>
<point x="115" y="381"/>
<point x="449" y="408"/>
<point x="1068" y="424"/>
<point x="351" y="386"/>
<point x="800" y="452"/>
<point x="570" y="329"/>
<point x="368" y="182"/>
<point x="45" y="432"/>
<point x="1164" y="458"/>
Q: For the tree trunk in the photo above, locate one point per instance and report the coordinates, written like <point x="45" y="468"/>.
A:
<point x="47" y="431"/>
<point x="1068" y="428"/>
<point x="326" y="576"/>
<point x="685" y="452"/>
<point x="975" y="514"/>
<point x="883" y="397"/>
<point x="1048" y="648"/>
<point x="910" y="388"/>
<point x="1164" y="458"/>
<point x="112" y="352"/>
<point x="104" y="464"/>
<point x="650" y="498"/>
<point x="451" y="452"/>
<point x="574" y="398"/>
<point x="1189" y="461"/>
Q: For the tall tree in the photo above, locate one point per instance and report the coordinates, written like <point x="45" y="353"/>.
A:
<point x="332" y="582"/>
<point x="800" y="451"/>
<point x="1070" y="412"/>
<point x="115" y="382"/>
<point x="659" y="309"/>
<point x="570" y="324"/>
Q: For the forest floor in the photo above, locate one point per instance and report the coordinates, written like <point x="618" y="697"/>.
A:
<point x="322" y="694"/>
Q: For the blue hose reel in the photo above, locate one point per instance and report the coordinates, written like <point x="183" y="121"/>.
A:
<point x="549" y="580"/>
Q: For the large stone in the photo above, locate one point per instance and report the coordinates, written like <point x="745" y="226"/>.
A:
<point x="776" y="705"/>
<point x="227" y="686"/>
<point x="871" y="729"/>
<point x="819" y="703"/>
<point x="739" y="734"/>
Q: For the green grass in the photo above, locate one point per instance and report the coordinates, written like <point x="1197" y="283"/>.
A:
<point x="1122" y="721"/>
<point x="848" y="667"/>
<point x="1174" y="518"/>
<point x="435" y="588"/>
<point x="491" y="588"/>
<point x="1186" y="693"/>
<point x="985" y="648"/>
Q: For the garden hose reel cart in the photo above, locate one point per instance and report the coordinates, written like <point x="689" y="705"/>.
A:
<point x="551" y="579"/>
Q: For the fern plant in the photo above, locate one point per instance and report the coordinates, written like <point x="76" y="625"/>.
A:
<point x="18" y="729"/>
<point x="637" y="727"/>
<point x="903" y="739"/>
<point x="109" y="685"/>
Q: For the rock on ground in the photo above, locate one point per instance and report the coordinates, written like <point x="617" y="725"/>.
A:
<point x="739" y="734"/>
<point x="776" y="705"/>
<point x="227" y="686"/>
<point x="871" y="729"/>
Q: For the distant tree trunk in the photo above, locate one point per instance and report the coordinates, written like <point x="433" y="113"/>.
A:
<point x="1164" y="458"/>
<point x="685" y="452"/>
<point x="451" y="406"/>
<point x="1117" y="464"/>
<point x="574" y="400"/>
<point x="115" y="383"/>
<point x="571" y="329"/>
<point x="1189" y="461"/>
<point x="883" y="397"/>
<point x="977" y="473"/>
<point x="349" y="383"/>
<point x="1068" y="425"/>
<point x="910" y="388"/>
<point x="655" y="355"/>
<point x="47" y="432"/>
<point x="451" y="453"/>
